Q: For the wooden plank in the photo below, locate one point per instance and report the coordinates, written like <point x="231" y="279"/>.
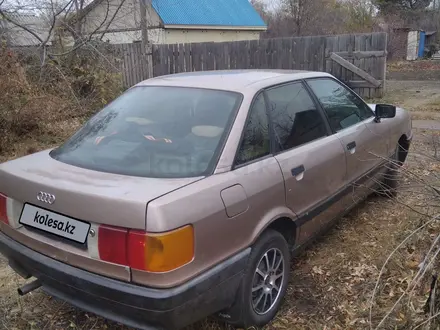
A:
<point x="239" y="54"/>
<point x="143" y="62"/>
<point x="328" y="50"/>
<point x="351" y="44"/>
<point x="252" y="53"/>
<point x="298" y="53"/>
<point x="362" y="54"/>
<point x="132" y="72"/>
<point x="158" y="60"/>
<point x="384" y="43"/>
<point x="133" y="65"/>
<point x="271" y="53"/>
<point x="181" y="58"/>
<point x="171" y="57"/>
<point x="227" y="56"/>
<point x="342" y="45"/>
<point x="335" y="67"/>
<point x="306" y="59"/>
<point x="124" y="71"/>
<point x="155" y="59"/>
<point x="278" y="45"/>
<point x="321" y="54"/>
<point x="166" y="59"/>
<point x="200" y="56"/>
<point x="361" y="64"/>
<point x="176" y="57"/>
<point x="355" y="69"/>
<point x="232" y="56"/>
<point x="311" y="61"/>
<point x="210" y="47"/>
<point x="246" y="54"/>
<point x="214" y="55"/>
<point x="261" y="54"/>
<point x="187" y="51"/>
<point x="268" y="53"/>
<point x="292" y="59"/>
<point x="360" y="84"/>
<point x="140" y="57"/>
<point x="285" y="55"/>
<point x="375" y="71"/>
<point x="369" y="63"/>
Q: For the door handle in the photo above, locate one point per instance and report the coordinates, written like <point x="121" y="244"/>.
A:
<point x="298" y="172"/>
<point x="351" y="147"/>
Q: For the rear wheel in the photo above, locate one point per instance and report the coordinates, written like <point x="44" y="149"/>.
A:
<point x="264" y="283"/>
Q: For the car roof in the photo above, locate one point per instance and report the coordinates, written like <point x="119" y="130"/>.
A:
<point x="232" y="80"/>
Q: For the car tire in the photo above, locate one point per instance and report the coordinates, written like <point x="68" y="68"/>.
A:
<point x="391" y="179"/>
<point x="262" y="288"/>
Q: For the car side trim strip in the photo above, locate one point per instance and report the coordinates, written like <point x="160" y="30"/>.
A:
<point x="310" y="215"/>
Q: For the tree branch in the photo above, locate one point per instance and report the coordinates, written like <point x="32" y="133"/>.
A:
<point x="6" y="17"/>
<point x="54" y="19"/>
<point x="112" y="19"/>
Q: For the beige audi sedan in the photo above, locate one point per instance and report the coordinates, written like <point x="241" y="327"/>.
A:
<point x="186" y="196"/>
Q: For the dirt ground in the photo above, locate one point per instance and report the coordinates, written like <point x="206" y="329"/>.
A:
<point x="332" y="282"/>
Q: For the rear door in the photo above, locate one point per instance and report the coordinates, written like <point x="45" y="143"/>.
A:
<point x="352" y="120"/>
<point x="311" y="159"/>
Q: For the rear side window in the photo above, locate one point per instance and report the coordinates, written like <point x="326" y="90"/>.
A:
<point x="342" y="106"/>
<point x="296" y="120"/>
<point x="256" y="142"/>
<point x="149" y="131"/>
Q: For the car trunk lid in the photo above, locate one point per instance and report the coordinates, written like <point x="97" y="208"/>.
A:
<point x="83" y="194"/>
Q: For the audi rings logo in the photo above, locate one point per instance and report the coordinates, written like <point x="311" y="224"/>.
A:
<point x="45" y="197"/>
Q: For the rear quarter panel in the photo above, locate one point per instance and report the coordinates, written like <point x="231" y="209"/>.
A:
<point x="217" y="235"/>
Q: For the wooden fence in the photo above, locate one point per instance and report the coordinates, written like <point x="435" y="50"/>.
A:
<point x="358" y="60"/>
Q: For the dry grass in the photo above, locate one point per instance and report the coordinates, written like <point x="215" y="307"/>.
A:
<point x="419" y="65"/>
<point x="40" y="110"/>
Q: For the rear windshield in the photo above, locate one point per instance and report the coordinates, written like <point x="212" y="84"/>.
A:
<point x="155" y="132"/>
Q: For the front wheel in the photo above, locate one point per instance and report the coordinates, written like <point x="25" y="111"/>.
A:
<point x="392" y="176"/>
<point x="264" y="283"/>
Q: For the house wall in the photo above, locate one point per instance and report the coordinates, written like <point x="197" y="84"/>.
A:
<point x="172" y="36"/>
<point x="155" y="36"/>
<point x="161" y="36"/>
<point x="413" y="45"/>
<point x="125" y="27"/>
<point x="126" y="16"/>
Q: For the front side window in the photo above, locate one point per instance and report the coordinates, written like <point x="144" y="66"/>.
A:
<point x="256" y="142"/>
<point x="296" y="120"/>
<point x="343" y="107"/>
<point x="151" y="131"/>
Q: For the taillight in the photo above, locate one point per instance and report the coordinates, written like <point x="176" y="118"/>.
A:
<point x="163" y="252"/>
<point x="155" y="253"/>
<point x="3" y="209"/>
<point x="112" y="244"/>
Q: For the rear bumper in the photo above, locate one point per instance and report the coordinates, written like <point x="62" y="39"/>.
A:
<point x="132" y="305"/>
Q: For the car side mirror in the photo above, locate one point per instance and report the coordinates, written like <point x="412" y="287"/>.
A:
<point x="385" y="111"/>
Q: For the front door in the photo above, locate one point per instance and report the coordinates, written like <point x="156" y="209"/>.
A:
<point x="353" y="122"/>
<point x="311" y="159"/>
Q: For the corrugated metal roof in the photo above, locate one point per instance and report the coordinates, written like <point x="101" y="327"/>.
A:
<point x="208" y="12"/>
